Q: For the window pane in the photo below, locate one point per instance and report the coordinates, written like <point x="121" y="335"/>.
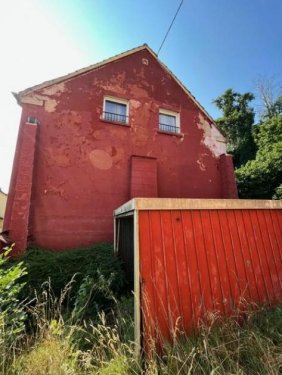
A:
<point x="168" y="123"/>
<point x="115" y="111"/>
<point x="167" y="120"/>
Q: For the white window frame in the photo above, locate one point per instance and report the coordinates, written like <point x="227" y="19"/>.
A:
<point x="170" y="113"/>
<point x="118" y="101"/>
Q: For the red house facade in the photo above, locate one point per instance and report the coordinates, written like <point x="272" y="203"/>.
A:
<point x="93" y="139"/>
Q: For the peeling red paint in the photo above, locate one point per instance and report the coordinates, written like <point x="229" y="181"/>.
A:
<point x="82" y="163"/>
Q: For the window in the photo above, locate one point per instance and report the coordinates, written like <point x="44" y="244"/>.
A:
<point x="32" y="120"/>
<point x="169" y="121"/>
<point x="115" y="110"/>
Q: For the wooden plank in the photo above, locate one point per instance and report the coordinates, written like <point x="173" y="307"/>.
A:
<point x="259" y="233"/>
<point x="173" y="312"/>
<point x="203" y="267"/>
<point x="160" y="277"/>
<point x="221" y="258"/>
<point x="182" y="272"/>
<point x="242" y="280"/>
<point x="213" y="262"/>
<point x="148" y="304"/>
<point x="198" y="261"/>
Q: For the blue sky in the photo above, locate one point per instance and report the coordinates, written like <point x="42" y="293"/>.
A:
<point x="213" y="45"/>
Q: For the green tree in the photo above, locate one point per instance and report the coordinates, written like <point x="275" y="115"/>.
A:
<point x="262" y="177"/>
<point x="236" y="124"/>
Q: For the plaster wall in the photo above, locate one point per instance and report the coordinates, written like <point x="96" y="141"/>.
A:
<point x="82" y="164"/>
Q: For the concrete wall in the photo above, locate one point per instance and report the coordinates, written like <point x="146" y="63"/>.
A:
<point x="82" y="164"/>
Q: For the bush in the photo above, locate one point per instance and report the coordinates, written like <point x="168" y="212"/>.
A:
<point x="260" y="178"/>
<point x="96" y="273"/>
<point x="278" y="193"/>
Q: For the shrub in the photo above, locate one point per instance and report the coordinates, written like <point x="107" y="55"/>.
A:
<point x="96" y="273"/>
<point x="278" y="193"/>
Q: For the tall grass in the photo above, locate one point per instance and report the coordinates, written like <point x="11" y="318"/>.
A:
<point x="12" y="314"/>
<point x="62" y="346"/>
<point x="229" y="347"/>
<point x="64" y="341"/>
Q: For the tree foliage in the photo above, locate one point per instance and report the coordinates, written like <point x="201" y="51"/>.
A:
<point x="278" y="192"/>
<point x="237" y="123"/>
<point x="260" y="178"/>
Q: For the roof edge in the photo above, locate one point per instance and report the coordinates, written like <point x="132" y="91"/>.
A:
<point x="81" y="71"/>
<point x="196" y="204"/>
<point x="87" y="69"/>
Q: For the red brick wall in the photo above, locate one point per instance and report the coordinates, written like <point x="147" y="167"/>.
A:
<point x="18" y="206"/>
<point x="143" y="177"/>
<point x="82" y="168"/>
<point x="228" y="184"/>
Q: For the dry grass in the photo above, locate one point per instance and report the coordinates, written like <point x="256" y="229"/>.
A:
<point x="57" y="340"/>
<point x="230" y="348"/>
<point x="253" y="347"/>
<point x="51" y="356"/>
<point x="57" y="344"/>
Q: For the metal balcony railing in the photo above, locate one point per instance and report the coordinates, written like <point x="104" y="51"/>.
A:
<point x="115" y="117"/>
<point x="169" y="128"/>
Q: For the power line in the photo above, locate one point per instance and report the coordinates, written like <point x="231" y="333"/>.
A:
<point x="170" y="26"/>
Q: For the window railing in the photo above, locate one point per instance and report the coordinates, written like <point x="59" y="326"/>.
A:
<point x="169" y="128"/>
<point x="115" y="117"/>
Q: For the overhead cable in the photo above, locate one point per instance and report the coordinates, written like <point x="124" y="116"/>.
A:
<point x="172" y="22"/>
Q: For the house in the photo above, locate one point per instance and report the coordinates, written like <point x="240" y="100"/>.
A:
<point x="3" y="201"/>
<point x="93" y="139"/>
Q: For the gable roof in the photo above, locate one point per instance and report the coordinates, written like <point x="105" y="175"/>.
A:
<point x="89" y="68"/>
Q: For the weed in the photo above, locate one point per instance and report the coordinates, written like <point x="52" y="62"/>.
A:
<point x="63" y="342"/>
<point x="12" y="315"/>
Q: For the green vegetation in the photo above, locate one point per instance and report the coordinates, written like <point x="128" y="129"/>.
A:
<point x="260" y="178"/>
<point x="93" y="274"/>
<point x="12" y="315"/>
<point x="256" y="149"/>
<point x="236" y="124"/>
<point x="66" y="341"/>
<point x="252" y="347"/>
